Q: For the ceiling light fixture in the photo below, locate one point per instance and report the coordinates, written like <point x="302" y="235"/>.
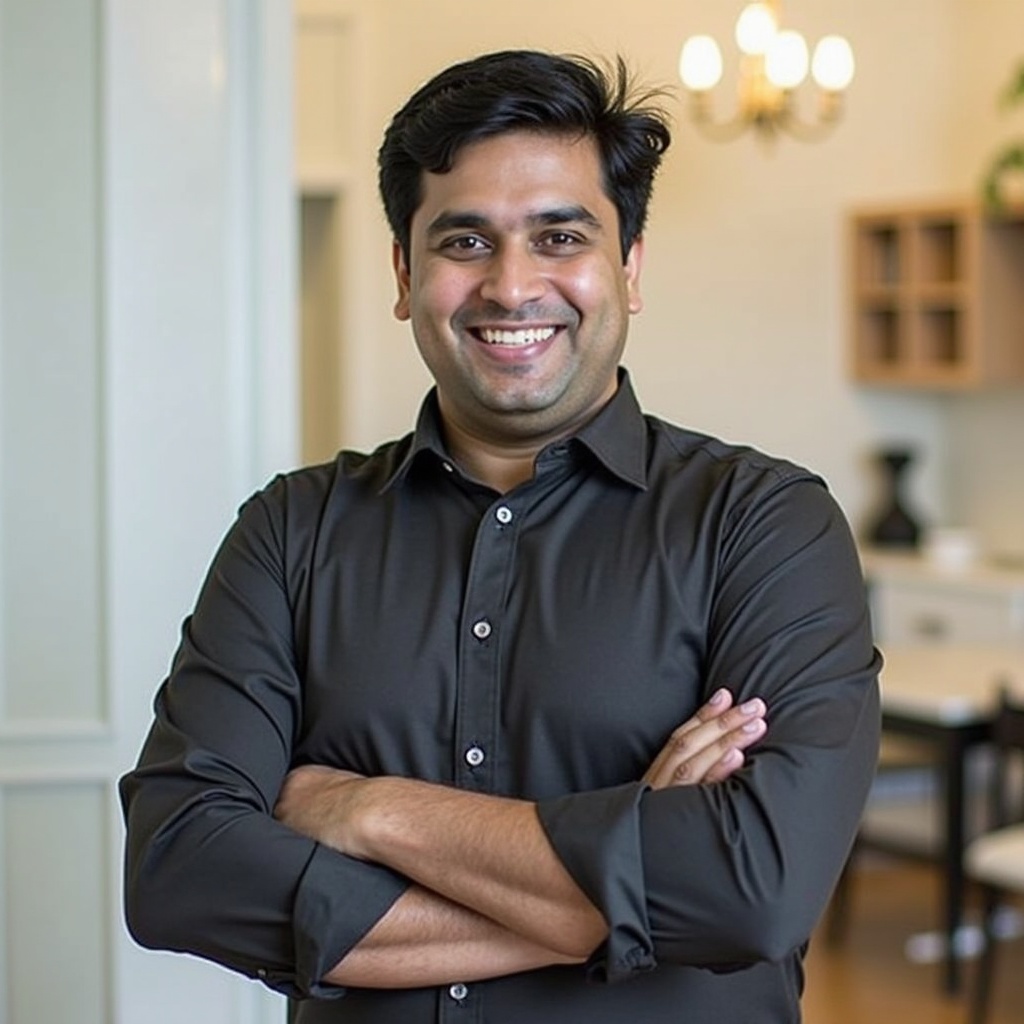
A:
<point x="773" y="63"/>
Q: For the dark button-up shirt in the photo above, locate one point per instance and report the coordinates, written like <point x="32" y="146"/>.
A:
<point x="388" y="615"/>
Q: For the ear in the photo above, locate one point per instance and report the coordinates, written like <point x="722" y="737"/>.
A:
<point x="631" y="270"/>
<point x="401" y="270"/>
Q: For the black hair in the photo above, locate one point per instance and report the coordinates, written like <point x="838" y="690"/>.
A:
<point x="517" y="90"/>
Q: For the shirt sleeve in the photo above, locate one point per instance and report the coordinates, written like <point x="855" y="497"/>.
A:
<point x="722" y="876"/>
<point x="208" y="870"/>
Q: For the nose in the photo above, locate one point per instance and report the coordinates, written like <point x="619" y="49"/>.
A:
<point x="513" y="277"/>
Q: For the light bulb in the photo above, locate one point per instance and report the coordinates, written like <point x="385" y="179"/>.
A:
<point x="786" y="61"/>
<point x="833" y="65"/>
<point x="700" y="63"/>
<point x="755" y="28"/>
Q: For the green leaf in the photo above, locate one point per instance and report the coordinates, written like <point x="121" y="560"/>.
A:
<point x="1014" y="91"/>
<point x="1008" y="161"/>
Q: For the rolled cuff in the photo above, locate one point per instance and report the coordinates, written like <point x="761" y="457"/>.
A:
<point x="339" y="900"/>
<point x="597" y="837"/>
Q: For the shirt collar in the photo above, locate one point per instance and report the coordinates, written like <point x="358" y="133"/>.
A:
<point x="616" y="436"/>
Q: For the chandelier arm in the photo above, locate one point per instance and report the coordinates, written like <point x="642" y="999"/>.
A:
<point x="804" y="131"/>
<point x="717" y="131"/>
<point x="814" y="131"/>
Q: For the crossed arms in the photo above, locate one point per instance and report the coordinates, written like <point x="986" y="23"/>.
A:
<point x="643" y="872"/>
<point x="490" y="895"/>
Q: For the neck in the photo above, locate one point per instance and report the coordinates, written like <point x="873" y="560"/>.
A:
<point x="501" y="466"/>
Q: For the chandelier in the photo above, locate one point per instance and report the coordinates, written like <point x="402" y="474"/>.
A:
<point x="773" y="63"/>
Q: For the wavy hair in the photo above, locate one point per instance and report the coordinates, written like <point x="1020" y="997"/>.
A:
<point x="526" y="90"/>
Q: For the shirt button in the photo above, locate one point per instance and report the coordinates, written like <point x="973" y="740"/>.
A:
<point x="503" y="514"/>
<point x="458" y="991"/>
<point x="448" y="467"/>
<point x="482" y="629"/>
<point x="475" y="757"/>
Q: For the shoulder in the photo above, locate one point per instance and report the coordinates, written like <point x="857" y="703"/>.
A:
<point x="297" y="501"/>
<point x="701" y="464"/>
<point x="737" y="496"/>
<point x="763" y="517"/>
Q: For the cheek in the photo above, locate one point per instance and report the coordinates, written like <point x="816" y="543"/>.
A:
<point x="439" y="293"/>
<point x="603" y="293"/>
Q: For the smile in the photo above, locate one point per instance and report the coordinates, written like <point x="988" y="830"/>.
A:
<point x="515" y="339"/>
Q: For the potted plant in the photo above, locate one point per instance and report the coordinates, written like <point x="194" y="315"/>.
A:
<point x="1009" y="161"/>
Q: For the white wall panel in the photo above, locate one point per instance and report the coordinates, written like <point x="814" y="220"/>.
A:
<point x="199" y="222"/>
<point x="55" y="857"/>
<point x="147" y="384"/>
<point x="50" y="319"/>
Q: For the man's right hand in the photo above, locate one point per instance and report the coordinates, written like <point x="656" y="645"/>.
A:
<point x="708" y="747"/>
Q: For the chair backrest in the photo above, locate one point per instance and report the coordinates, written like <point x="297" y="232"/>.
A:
<point x="1008" y="738"/>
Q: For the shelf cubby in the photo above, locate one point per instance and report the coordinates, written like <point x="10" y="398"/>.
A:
<point x="937" y="296"/>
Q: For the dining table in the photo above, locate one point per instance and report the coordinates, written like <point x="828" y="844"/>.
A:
<point x="945" y="695"/>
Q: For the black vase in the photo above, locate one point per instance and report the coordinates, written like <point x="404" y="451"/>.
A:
<point x="895" y="527"/>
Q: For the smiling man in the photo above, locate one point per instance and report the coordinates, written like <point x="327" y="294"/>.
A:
<point x="518" y="293"/>
<point x="550" y="710"/>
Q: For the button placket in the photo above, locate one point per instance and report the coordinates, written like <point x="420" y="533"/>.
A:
<point x="477" y="710"/>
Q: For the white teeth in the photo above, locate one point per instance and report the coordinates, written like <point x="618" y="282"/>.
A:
<point x="529" y="336"/>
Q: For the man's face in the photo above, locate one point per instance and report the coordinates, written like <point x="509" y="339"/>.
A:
<point x="517" y="292"/>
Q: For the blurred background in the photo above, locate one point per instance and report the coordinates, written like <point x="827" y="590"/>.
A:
<point x="195" y="293"/>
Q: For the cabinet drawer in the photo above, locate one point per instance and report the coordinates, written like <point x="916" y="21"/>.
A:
<point x="908" y="614"/>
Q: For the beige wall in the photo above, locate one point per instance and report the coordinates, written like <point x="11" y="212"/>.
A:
<point x="986" y="433"/>
<point x="743" y="330"/>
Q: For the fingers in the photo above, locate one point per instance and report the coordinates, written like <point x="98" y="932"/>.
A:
<point x="719" y="703"/>
<point x="709" y="746"/>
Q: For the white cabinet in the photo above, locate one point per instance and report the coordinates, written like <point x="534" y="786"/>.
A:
<point x="914" y="602"/>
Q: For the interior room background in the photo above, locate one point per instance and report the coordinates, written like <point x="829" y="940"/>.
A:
<point x="150" y="363"/>
<point x="744" y="328"/>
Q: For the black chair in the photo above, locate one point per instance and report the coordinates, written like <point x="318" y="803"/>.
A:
<point x="902" y="818"/>
<point x="995" y="859"/>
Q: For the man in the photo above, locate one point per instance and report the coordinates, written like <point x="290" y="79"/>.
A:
<point x="458" y="730"/>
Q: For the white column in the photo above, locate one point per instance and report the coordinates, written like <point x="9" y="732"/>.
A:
<point x="199" y="364"/>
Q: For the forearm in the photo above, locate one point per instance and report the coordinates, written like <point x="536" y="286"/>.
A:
<point x="490" y="855"/>
<point x="782" y="833"/>
<point x="493" y="855"/>
<point x="425" y="939"/>
<point x="486" y="853"/>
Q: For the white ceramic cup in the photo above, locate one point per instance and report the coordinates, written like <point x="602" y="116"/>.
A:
<point x="952" y="548"/>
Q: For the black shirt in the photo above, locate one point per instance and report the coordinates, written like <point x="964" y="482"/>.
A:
<point x="386" y="614"/>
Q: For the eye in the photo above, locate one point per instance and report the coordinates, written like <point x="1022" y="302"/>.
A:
<point x="464" y="246"/>
<point x="560" y="241"/>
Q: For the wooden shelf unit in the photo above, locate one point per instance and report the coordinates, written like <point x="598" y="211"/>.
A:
<point x="937" y="296"/>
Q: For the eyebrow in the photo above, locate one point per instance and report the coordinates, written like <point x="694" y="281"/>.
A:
<point x="467" y="220"/>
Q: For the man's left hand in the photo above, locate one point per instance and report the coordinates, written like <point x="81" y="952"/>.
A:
<point x="709" y="746"/>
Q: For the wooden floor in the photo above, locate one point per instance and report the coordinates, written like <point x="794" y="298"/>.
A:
<point x="870" y="980"/>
